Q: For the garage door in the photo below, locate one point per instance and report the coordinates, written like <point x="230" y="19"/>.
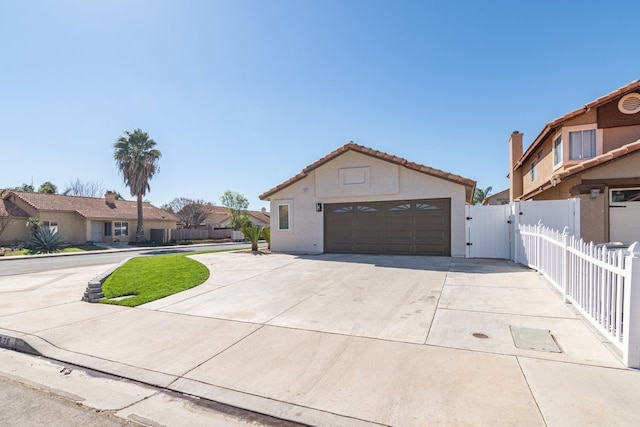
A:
<point x="624" y="211"/>
<point x="398" y="227"/>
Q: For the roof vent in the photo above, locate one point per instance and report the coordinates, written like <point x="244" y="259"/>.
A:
<point x="629" y="104"/>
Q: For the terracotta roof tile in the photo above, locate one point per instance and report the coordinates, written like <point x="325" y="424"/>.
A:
<point x="601" y="159"/>
<point x="634" y="85"/>
<point x="352" y="146"/>
<point x="219" y="214"/>
<point x="92" y="207"/>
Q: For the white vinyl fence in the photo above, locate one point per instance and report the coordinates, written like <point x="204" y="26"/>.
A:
<point x="603" y="284"/>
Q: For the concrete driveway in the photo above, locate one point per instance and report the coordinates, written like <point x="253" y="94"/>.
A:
<point x="345" y="340"/>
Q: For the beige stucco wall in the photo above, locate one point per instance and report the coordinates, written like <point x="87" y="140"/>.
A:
<point x="71" y="226"/>
<point x="386" y="181"/>
<point x="543" y="157"/>
<point x="15" y="233"/>
<point x="594" y="213"/>
<point x="594" y="218"/>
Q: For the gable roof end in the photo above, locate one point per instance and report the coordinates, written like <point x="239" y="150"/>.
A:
<point x="352" y="146"/>
<point x="553" y="124"/>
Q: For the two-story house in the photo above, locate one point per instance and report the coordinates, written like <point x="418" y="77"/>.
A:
<point x="592" y="153"/>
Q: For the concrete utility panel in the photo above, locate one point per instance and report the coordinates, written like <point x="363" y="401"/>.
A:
<point x="534" y="339"/>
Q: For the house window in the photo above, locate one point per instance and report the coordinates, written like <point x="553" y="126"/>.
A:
<point x="534" y="170"/>
<point x="557" y="151"/>
<point x="120" y="228"/>
<point x="582" y="144"/>
<point x="50" y="225"/>
<point x="283" y="217"/>
<point x="107" y="229"/>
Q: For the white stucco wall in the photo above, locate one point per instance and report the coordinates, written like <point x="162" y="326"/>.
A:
<point x="357" y="177"/>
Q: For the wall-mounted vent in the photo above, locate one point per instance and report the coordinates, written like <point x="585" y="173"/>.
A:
<point x="630" y="103"/>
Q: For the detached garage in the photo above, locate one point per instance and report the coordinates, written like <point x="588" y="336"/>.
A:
<point x="359" y="200"/>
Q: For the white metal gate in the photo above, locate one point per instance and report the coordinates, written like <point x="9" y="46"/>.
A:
<point x="488" y="231"/>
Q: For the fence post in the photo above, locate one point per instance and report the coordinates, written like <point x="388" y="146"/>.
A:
<point x="538" y="246"/>
<point x="566" y="235"/>
<point x="631" y="325"/>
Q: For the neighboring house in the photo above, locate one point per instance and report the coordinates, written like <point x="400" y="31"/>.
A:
<point x="592" y="153"/>
<point x="501" y="198"/>
<point x="219" y="217"/>
<point x="80" y="219"/>
<point x="360" y="200"/>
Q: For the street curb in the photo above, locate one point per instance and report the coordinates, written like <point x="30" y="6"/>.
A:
<point x="17" y="344"/>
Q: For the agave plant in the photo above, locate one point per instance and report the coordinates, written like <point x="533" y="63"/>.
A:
<point x="46" y="241"/>
<point x="252" y="234"/>
<point x="266" y="234"/>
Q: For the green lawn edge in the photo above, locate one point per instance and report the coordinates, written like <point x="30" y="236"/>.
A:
<point x="152" y="277"/>
<point x="149" y="278"/>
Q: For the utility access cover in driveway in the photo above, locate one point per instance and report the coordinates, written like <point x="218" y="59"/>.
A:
<point x="534" y="339"/>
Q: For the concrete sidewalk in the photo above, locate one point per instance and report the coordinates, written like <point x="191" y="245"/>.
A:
<point x="342" y="340"/>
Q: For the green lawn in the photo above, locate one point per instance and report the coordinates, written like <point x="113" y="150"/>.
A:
<point x="149" y="278"/>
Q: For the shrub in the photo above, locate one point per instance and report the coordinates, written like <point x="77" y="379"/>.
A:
<point x="252" y="234"/>
<point x="45" y="241"/>
<point x="266" y="233"/>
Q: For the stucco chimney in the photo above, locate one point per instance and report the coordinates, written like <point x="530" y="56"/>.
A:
<point x="110" y="198"/>
<point x="515" y="176"/>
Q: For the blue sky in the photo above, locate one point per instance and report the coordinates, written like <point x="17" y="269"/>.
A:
<point x="241" y="95"/>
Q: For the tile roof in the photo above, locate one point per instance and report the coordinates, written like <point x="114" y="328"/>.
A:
<point x="261" y="216"/>
<point x="8" y="208"/>
<point x="634" y="85"/>
<point x="219" y="214"/>
<point x="599" y="160"/>
<point x="91" y="207"/>
<point x="352" y="146"/>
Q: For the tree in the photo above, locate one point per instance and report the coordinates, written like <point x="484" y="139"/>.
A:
<point x="191" y="212"/>
<point x="78" y="187"/>
<point x="236" y="205"/>
<point x="481" y="194"/>
<point x="48" y="187"/>
<point x="137" y="161"/>
<point x="266" y="234"/>
<point x="27" y="188"/>
<point x="252" y="234"/>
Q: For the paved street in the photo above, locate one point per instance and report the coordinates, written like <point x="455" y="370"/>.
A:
<point x="342" y="340"/>
<point x="10" y="266"/>
<point x="24" y="406"/>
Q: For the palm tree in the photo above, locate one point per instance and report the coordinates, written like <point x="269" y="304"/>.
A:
<point x="137" y="160"/>
<point x="481" y="194"/>
<point x="252" y="234"/>
<point x="48" y="187"/>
